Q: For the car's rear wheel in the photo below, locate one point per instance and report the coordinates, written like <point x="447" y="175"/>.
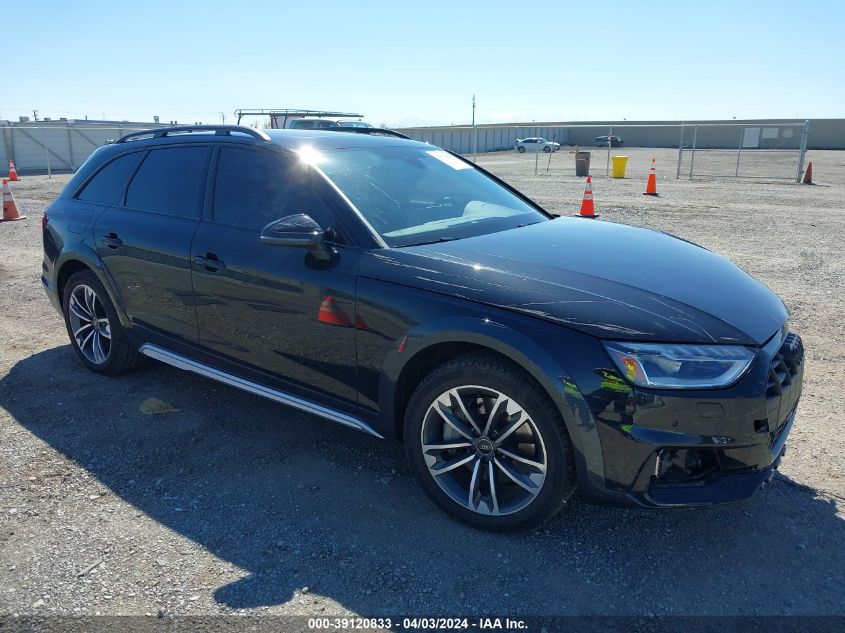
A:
<point x="487" y="445"/>
<point x="520" y="149"/>
<point x="97" y="336"/>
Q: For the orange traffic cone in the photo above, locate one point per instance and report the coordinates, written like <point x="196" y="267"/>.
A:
<point x="13" y="173"/>
<point x="10" y="209"/>
<point x="808" y="175"/>
<point x="587" y="208"/>
<point x="651" y="185"/>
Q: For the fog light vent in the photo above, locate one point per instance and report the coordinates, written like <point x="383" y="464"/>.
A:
<point x="677" y="465"/>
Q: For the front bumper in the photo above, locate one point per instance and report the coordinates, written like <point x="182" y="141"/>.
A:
<point x="720" y="487"/>
<point x="675" y="448"/>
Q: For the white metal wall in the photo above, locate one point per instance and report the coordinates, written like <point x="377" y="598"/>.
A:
<point x="490" y="139"/>
<point x="53" y="148"/>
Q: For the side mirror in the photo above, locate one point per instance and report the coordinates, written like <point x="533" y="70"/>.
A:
<point x="297" y="231"/>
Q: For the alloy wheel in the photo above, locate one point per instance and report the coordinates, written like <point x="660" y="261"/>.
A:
<point x="89" y="324"/>
<point x="483" y="450"/>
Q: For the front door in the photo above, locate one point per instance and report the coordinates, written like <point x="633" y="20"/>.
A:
<point x="144" y="240"/>
<point x="275" y="309"/>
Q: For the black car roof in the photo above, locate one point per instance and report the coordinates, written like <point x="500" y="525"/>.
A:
<point x="325" y="139"/>
<point x="328" y="139"/>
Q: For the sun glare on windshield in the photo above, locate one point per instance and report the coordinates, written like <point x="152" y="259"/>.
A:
<point x="418" y="195"/>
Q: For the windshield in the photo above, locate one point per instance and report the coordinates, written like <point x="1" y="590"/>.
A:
<point x="418" y="195"/>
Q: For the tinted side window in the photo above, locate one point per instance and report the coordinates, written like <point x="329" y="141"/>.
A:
<point x="109" y="181"/>
<point x="169" y="181"/>
<point x="253" y="188"/>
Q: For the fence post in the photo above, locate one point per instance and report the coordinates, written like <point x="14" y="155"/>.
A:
<point x="70" y="147"/>
<point x="46" y="152"/>
<point x="739" y="151"/>
<point x="12" y="146"/>
<point x="609" y="142"/>
<point x="680" y="152"/>
<point x="692" y="156"/>
<point x="805" y="132"/>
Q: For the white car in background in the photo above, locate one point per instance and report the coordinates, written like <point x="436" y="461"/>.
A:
<point x="536" y="144"/>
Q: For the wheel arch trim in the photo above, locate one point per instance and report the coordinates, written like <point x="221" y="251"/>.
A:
<point x="88" y="258"/>
<point x="520" y="349"/>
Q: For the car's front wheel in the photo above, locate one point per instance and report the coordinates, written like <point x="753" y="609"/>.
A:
<point x="95" y="331"/>
<point x="487" y="445"/>
<point x="547" y="149"/>
<point x="520" y="149"/>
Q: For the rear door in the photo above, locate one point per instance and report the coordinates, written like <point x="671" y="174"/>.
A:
<point x="101" y="191"/>
<point x="275" y="309"/>
<point x="144" y="240"/>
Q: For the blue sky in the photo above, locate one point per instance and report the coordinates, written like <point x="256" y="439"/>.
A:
<point x="420" y="62"/>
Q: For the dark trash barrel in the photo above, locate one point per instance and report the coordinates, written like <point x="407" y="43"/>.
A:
<point x="582" y="163"/>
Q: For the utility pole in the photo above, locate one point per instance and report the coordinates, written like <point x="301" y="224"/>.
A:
<point x="223" y="118"/>
<point x="474" y="134"/>
<point x="35" y="115"/>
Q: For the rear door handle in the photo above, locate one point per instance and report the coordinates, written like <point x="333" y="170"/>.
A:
<point x="210" y="262"/>
<point x="112" y="240"/>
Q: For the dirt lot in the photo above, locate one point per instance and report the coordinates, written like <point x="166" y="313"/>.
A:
<point x="162" y="492"/>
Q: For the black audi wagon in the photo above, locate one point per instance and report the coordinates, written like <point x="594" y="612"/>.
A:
<point x="398" y="289"/>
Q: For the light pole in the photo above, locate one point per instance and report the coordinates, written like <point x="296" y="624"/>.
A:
<point x="474" y="134"/>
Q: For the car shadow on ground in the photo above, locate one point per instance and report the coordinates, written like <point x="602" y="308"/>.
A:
<point x="295" y="501"/>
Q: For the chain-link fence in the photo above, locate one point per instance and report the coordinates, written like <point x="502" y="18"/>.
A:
<point x="772" y="151"/>
<point x="738" y="150"/>
<point x="59" y="148"/>
<point x="465" y="139"/>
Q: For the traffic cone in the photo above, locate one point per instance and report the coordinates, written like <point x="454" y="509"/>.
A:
<point x="808" y="175"/>
<point x="13" y="173"/>
<point x="651" y="184"/>
<point x="587" y="208"/>
<point x="10" y="209"/>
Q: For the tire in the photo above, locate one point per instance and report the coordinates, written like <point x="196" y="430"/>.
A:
<point x="525" y="441"/>
<point x="520" y="149"/>
<point x="547" y="149"/>
<point x="104" y="348"/>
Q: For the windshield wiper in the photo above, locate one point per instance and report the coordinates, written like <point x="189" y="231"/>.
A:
<point x="437" y="241"/>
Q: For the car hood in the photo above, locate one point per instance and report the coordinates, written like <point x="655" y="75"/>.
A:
<point x="606" y="279"/>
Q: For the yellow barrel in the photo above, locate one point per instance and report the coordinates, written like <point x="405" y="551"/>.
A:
<point x="619" y="165"/>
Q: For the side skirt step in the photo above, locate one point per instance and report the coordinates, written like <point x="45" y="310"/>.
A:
<point x="181" y="362"/>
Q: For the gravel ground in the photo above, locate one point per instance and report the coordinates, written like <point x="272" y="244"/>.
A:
<point x="163" y="493"/>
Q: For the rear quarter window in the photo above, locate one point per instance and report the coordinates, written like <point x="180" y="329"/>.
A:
<point x="107" y="184"/>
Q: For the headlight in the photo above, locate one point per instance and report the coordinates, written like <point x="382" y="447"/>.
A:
<point x="668" y="366"/>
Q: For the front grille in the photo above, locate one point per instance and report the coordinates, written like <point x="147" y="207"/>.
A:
<point x="783" y="389"/>
<point x="785" y="366"/>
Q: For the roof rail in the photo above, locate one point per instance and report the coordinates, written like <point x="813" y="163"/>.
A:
<point x="221" y="130"/>
<point x="366" y="130"/>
